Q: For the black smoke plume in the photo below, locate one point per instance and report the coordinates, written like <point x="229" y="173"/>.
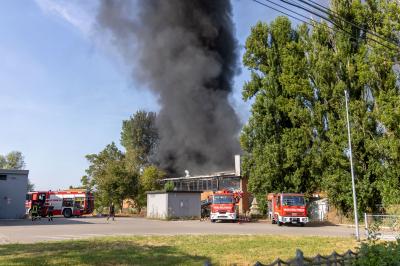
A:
<point x="185" y="51"/>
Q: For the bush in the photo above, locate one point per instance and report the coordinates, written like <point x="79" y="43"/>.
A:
<point x="373" y="253"/>
<point x="262" y="203"/>
<point x="169" y="186"/>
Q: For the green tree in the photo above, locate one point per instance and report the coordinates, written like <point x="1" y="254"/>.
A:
<point x="278" y="137"/>
<point x="148" y="181"/>
<point x="13" y="160"/>
<point x="296" y="137"/>
<point x="139" y="136"/>
<point x="3" y="162"/>
<point x="109" y="176"/>
<point x="169" y="186"/>
<point x="150" y="178"/>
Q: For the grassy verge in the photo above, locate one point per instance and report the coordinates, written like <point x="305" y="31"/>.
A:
<point x="169" y="250"/>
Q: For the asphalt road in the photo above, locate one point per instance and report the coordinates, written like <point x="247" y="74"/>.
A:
<point x="26" y="231"/>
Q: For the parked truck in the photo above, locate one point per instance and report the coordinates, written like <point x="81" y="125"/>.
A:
<point x="67" y="203"/>
<point x="224" y="205"/>
<point x="287" y="208"/>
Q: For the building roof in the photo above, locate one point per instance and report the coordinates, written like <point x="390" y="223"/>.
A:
<point x="215" y="175"/>
<point x="14" y="172"/>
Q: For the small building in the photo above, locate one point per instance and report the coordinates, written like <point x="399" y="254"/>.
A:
<point x="172" y="205"/>
<point x="13" y="188"/>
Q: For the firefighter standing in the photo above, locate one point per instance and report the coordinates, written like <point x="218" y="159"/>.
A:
<point x="35" y="212"/>
<point x="111" y="212"/>
<point x="50" y="213"/>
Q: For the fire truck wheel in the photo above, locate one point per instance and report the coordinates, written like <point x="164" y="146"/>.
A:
<point x="67" y="213"/>
<point x="273" y="221"/>
<point x="212" y="220"/>
<point x="302" y="224"/>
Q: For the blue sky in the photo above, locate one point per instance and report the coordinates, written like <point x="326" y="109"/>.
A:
<point x="64" y="91"/>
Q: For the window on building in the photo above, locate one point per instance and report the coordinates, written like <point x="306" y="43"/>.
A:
<point x="3" y="177"/>
<point x="232" y="183"/>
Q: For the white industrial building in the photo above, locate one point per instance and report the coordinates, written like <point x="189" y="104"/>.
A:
<point x="13" y="188"/>
<point x="173" y="205"/>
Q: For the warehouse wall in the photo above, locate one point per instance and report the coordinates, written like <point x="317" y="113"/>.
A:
<point x="13" y="188"/>
<point x="184" y="205"/>
<point x="157" y="205"/>
<point x="164" y="205"/>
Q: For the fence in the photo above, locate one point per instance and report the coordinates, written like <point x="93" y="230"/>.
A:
<point x="386" y="227"/>
<point x="333" y="259"/>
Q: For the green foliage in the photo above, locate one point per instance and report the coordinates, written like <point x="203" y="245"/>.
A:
<point x="3" y="162"/>
<point x="373" y="253"/>
<point x="115" y="175"/>
<point x="139" y="136"/>
<point x="277" y="139"/>
<point x="296" y="138"/>
<point x="262" y="203"/>
<point x="148" y="181"/>
<point x="16" y="161"/>
<point x="13" y="160"/>
<point x="109" y="176"/>
<point x="169" y="186"/>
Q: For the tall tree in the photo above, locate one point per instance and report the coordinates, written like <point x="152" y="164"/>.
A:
<point x="139" y="137"/>
<point x="296" y="137"/>
<point x="108" y="175"/>
<point x="278" y="139"/>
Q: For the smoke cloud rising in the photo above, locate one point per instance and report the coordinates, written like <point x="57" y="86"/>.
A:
<point x="185" y="51"/>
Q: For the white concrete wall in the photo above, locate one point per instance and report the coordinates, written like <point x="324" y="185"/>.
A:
<point x="181" y="205"/>
<point x="173" y="205"/>
<point x="157" y="205"/>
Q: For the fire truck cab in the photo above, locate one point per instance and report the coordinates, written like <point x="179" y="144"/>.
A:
<point x="224" y="206"/>
<point x="285" y="208"/>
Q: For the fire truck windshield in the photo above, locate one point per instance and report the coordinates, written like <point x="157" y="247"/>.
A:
<point x="223" y="199"/>
<point x="293" y="201"/>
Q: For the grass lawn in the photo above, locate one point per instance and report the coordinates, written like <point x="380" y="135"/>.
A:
<point x="170" y="250"/>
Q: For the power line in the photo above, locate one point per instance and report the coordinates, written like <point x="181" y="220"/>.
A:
<point x="334" y="14"/>
<point x="329" y="20"/>
<point x="281" y="6"/>
<point x="294" y="12"/>
<point x="308" y="23"/>
<point x="273" y="8"/>
<point x="312" y="25"/>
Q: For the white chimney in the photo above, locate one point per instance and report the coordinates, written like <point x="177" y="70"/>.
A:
<point x="237" y="165"/>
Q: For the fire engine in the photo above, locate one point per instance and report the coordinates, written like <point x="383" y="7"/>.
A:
<point x="224" y="205"/>
<point x="287" y="208"/>
<point x="67" y="203"/>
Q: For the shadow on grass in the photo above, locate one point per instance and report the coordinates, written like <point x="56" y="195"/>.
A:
<point x="95" y="252"/>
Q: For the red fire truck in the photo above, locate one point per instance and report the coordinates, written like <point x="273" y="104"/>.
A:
<point x="224" y="205"/>
<point x="68" y="202"/>
<point x="287" y="208"/>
